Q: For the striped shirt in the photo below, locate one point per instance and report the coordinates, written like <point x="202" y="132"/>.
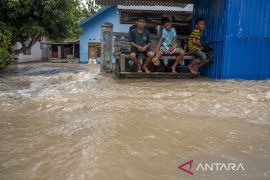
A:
<point x="191" y="46"/>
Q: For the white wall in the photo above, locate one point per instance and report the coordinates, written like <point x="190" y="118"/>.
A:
<point x="37" y="54"/>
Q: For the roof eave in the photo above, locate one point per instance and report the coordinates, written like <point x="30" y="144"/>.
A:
<point x="94" y="15"/>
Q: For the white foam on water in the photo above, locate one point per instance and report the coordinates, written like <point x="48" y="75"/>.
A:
<point x="70" y="123"/>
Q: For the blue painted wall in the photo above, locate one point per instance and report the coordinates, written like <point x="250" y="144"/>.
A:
<point x="92" y="28"/>
<point x="239" y="31"/>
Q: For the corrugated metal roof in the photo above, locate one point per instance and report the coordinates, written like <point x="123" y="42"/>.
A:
<point x="188" y="8"/>
<point x="178" y="3"/>
<point x="65" y="42"/>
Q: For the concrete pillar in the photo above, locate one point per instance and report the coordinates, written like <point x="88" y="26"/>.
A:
<point x="73" y="50"/>
<point x="106" y="47"/>
<point x="59" y="52"/>
<point x="62" y="52"/>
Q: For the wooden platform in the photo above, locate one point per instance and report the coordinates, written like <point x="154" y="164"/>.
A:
<point x="126" y="70"/>
<point x="154" y="75"/>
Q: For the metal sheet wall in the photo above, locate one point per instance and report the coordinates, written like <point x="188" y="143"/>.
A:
<point x="214" y="70"/>
<point x="239" y="31"/>
<point x="248" y="40"/>
<point x="248" y="19"/>
<point x="214" y="13"/>
<point x="247" y="59"/>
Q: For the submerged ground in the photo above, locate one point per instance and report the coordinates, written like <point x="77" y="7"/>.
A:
<point x="69" y="122"/>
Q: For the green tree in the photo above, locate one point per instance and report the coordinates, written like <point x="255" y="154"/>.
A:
<point x="30" y="20"/>
<point x="5" y="53"/>
<point x="5" y="46"/>
<point x="90" y="8"/>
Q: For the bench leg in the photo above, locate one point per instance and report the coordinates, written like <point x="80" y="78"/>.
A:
<point x="117" y="65"/>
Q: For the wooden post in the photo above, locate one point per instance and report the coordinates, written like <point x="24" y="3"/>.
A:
<point x="106" y="47"/>
<point x="73" y="51"/>
<point x="62" y="52"/>
<point x="59" y="51"/>
<point x="122" y="63"/>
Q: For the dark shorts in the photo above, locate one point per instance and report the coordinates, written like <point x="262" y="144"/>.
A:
<point x="136" y="51"/>
<point x="199" y="55"/>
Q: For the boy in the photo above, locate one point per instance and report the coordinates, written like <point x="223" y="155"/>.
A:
<point x="139" y="39"/>
<point x="167" y="44"/>
<point x="195" y="47"/>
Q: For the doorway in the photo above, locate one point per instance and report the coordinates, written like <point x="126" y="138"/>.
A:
<point x="93" y="51"/>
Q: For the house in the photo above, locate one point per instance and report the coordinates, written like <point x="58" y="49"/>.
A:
<point x="38" y="52"/>
<point x="122" y="17"/>
<point x="63" y="52"/>
<point x="90" y="37"/>
<point x="238" y="30"/>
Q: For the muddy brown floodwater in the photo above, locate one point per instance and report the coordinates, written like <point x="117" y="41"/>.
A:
<point x="70" y="122"/>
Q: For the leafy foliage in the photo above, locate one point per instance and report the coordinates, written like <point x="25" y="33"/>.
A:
<point x="5" y="47"/>
<point x="27" y="21"/>
<point x="90" y="8"/>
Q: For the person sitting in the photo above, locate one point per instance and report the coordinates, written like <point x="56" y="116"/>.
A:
<point x="196" y="48"/>
<point x="167" y="44"/>
<point x="139" y="39"/>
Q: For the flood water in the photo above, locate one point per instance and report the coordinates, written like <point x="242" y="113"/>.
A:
<point x="70" y="122"/>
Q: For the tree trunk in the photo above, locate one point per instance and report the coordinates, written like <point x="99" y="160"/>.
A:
<point x="25" y="47"/>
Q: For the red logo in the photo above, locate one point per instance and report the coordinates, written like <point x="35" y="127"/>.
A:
<point x="181" y="167"/>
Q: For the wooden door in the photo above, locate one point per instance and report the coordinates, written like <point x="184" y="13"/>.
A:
<point x="92" y="52"/>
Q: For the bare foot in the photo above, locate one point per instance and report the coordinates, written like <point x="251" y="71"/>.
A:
<point x="155" y="61"/>
<point x="173" y="69"/>
<point x="192" y="70"/>
<point x="146" y="70"/>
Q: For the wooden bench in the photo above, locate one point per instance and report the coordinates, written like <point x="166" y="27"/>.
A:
<point x="125" y="68"/>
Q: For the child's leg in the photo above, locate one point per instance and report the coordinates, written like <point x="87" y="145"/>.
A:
<point x="179" y="58"/>
<point x="200" y="59"/>
<point x="203" y="58"/>
<point x="150" y="56"/>
<point x="193" y="66"/>
<point x="159" y="53"/>
<point x="133" y="57"/>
